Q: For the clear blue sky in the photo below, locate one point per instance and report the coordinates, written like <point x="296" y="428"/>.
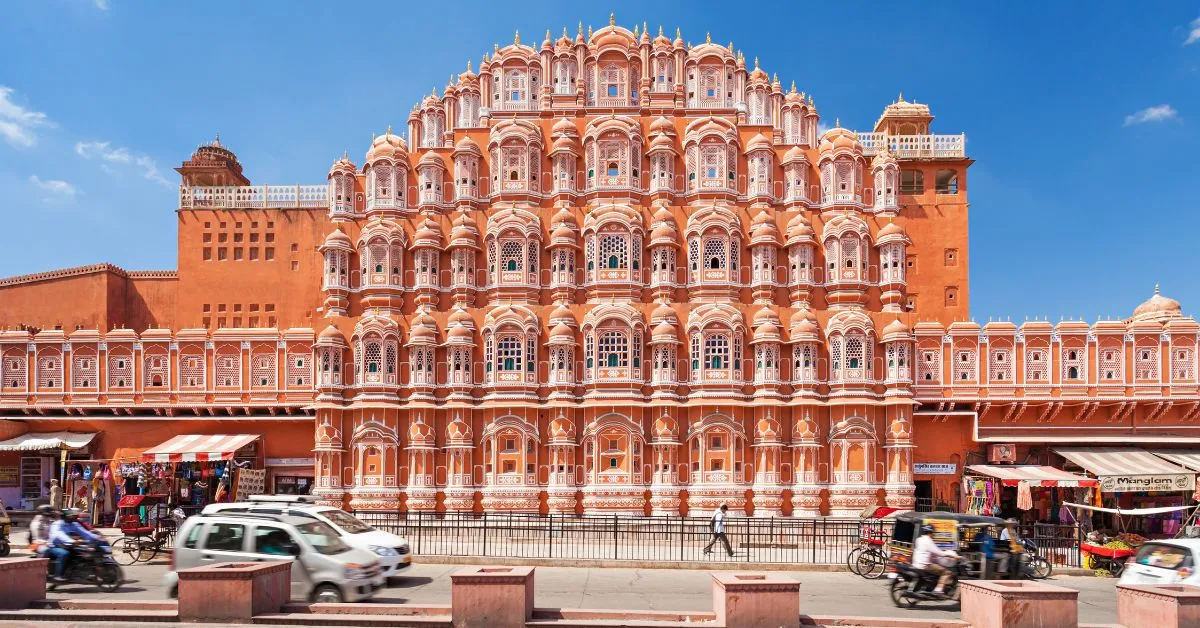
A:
<point x="1082" y="118"/>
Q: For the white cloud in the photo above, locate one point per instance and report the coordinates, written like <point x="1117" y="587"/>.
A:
<point x="54" y="189"/>
<point x="1158" y="113"/>
<point x="1193" y="32"/>
<point x="101" y="4"/>
<point x="17" y="123"/>
<point x="121" y="156"/>
<point x="822" y="128"/>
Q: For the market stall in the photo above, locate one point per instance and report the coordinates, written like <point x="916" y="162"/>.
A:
<point x="1022" y="491"/>
<point x="1133" y="478"/>
<point x="198" y="469"/>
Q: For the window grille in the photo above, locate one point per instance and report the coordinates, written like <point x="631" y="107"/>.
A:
<point x="614" y="251"/>
<point x="508" y="350"/>
<point x="50" y="372"/>
<point x="120" y="371"/>
<point x="1001" y="368"/>
<point x="716" y="351"/>
<point x="191" y="370"/>
<point x="1036" y="365"/>
<point x="511" y="258"/>
<point x="372" y="364"/>
<point x="613" y="349"/>
<point x="1181" y="363"/>
<point x="1146" y="364"/>
<point x="1073" y="364"/>
<point x="83" y="371"/>
<point x="1112" y="364"/>
<point x="262" y="370"/>
<point x="229" y="370"/>
<point x="964" y="365"/>
<point x="930" y="369"/>
<point x="154" y="372"/>
<point x="716" y="251"/>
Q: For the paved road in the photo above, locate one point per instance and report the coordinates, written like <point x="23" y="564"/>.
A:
<point x="655" y="589"/>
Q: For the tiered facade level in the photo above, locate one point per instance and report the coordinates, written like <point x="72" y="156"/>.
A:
<point x="606" y="274"/>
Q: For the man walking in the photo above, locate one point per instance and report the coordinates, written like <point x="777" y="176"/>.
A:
<point x="718" y="529"/>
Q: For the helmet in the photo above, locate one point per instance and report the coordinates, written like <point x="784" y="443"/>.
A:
<point x="70" y="514"/>
<point x="45" y="509"/>
<point x="926" y="529"/>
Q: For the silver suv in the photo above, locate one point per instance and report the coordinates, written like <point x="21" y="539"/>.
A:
<point x="324" y="569"/>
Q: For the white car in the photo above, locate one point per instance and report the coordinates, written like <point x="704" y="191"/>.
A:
<point x="393" y="551"/>
<point x="1169" y="561"/>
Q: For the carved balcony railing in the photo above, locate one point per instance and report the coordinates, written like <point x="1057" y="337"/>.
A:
<point x="254" y="196"/>
<point x="915" y="146"/>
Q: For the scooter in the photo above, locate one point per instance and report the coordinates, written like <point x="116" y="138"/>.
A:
<point x="89" y="563"/>
<point x="5" y="530"/>
<point x="911" y="585"/>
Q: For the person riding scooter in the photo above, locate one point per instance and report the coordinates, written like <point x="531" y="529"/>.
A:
<point x="924" y="557"/>
<point x="39" y="530"/>
<point x="64" y="535"/>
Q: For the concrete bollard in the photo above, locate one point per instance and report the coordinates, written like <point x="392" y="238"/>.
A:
<point x="234" y="592"/>
<point x="1018" y="604"/>
<point x="491" y="597"/>
<point x="22" y="580"/>
<point x="1161" y="605"/>
<point x="754" y="599"/>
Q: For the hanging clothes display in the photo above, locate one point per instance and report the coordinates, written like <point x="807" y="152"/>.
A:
<point x="1024" y="496"/>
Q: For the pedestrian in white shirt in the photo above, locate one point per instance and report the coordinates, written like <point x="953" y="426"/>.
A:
<point x="717" y="523"/>
<point x="924" y="557"/>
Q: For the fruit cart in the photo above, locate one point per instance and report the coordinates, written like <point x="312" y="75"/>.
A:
<point x="1109" y="557"/>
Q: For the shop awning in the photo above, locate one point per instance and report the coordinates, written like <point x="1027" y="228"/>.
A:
<point x="36" y="441"/>
<point x="1189" y="458"/>
<point x="198" y="447"/>
<point x="1036" y="475"/>
<point x="1104" y="461"/>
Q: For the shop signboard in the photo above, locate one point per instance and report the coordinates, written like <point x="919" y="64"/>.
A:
<point x="945" y="532"/>
<point x="10" y="476"/>
<point x="1160" y="483"/>
<point x="935" y="468"/>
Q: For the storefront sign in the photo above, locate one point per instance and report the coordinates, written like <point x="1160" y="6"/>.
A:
<point x="290" y="462"/>
<point x="10" y="476"/>
<point x="935" y="468"/>
<point x="945" y="532"/>
<point x="1147" y="483"/>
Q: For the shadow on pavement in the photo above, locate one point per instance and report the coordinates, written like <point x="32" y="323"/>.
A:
<point x="408" y="581"/>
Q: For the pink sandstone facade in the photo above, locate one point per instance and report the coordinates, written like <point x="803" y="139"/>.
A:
<point x="612" y="273"/>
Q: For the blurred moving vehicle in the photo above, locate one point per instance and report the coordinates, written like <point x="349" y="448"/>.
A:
<point x="324" y="569"/>
<point x="1168" y="561"/>
<point x="391" y="550"/>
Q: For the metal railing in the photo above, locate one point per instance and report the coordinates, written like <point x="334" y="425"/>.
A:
<point x="625" y="538"/>
<point x="1057" y="543"/>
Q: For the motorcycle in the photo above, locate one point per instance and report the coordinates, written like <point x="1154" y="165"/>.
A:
<point x="1033" y="565"/>
<point x="911" y="585"/>
<point x="5" y="530"/>
<point x="89" y="563"/>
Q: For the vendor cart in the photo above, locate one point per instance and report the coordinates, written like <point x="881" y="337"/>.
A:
<point x="147" y="527"/>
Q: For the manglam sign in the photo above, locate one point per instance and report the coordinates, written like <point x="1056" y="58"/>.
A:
<point x="1147" y="483"/>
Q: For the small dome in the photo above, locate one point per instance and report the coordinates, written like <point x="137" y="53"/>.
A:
<point x="661" y="143"/>
<point x="664" y="330"/>
<point x="464" y="232"/>
<point x="458" y="430"/>
<point x="565" y="145"/>
<point x="561" y="330"/>
<point x="895" y="327"/>
<point x="429" y="234"/>
<point x="794" y="154"/>
<point x="332" y="333"/>
<point x="662" y="124"/>
<point x="767" y="429"/>
<point x="343" y="166"/>
<point x="1157" y="308"/>
<point x="419" y="431"/>
<point x="431" y="159"/>
<point x="561" y="428"/>
<point x="663" y="312"/>
<point x="460" y="316"/>
<point x="758" y="142"/>
<point x="900" y="428"/>
<point x="803" y="327"/>
<point x="767" y="331"/>
<point x="422" y="333"/>
<point x="613" y="35"/>
<point x="806" y="430"/>
<point x="837" y="138"/>
<point x="337" y="239"/>
<point x="562" y="314"/>
<point x="763" y="230"/>
<point x="563" y="236"/>
<point x="564" y="126"/>
<point x="564" y="216"/>
<point x="765" y="315"/>
<point x="459" y="332"/>
<point x="665" y="427"/>
<point x="387" y="146"/>
<point x="890" y="229"/>
<point x="883" y="158"/>
<point x="798" y="230"/>
<point x="467" y="145"/>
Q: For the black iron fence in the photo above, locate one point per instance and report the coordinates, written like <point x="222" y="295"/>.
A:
<point x="626" y="538"/>
<point x="1057" y="543"/>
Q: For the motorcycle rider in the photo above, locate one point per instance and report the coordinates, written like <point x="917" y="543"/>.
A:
<point x="925" y="555"/>
<point x="39" y="528"/>
<point x="64" y="534"/>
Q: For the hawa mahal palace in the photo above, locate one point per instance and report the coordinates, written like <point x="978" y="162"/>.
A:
<point x="607" y="273"/>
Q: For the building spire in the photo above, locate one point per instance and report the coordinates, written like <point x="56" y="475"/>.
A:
<point x="516" y="38"/>
<point x="660" y="30"/>
<point x="708" y="38"/>
<point x="1156" y="288"/>
<point x="217" y="139"/>
<point x="468" y="65"/>
<point x="612" y="19"/>
<point x="635" y="31"/>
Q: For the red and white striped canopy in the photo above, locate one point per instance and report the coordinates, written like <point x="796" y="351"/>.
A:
<point x="198" y="447"/>
<point x="1036" y="475"/>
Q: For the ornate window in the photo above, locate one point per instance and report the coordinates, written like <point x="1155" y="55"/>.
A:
<point x="509" y="354"/>
<point x="562" y="358"/>
<point x="760" y="166"/>
<point x="262" y="370"/>
<point x="897" y="362"/>
<point x="433" y="123"/>
<point x="463" y="260"/>
<point x="331" y="367"/>
<point x="800" y="260"/>
<point x="858" y="358"/>
<point x="83" y="370"/>
<point x="664" y="371"/>
<point x="793" y="126"/>
<point x="1037" y="364"/>
<point x="766" y="363"/>
<point x="930" y="366"/>
<point x="468" y="109"/>
<point x="15" y="374"/>
<point x="891" y="261"/>
<point x="1000" y="368"/>
<point x="716" y="351"/>
<point x="664" y="74"/>
<point x="662" y="259"/>
<point x="764" y="264"/>
<point x="120" y="371"/>
<point x="715" y="169"/>
<point x="613" y="87"/>
<point x="964" y="366"/>
<point x="466" y="175"/>
<point x="458" y="367"/>
<point x="431" y="184"/>
<point x="1182" y="365"/>
<point x="662" y="167"/>
<point x="427" y="267"/>
<point x="421" y="363"/>
<point x="1073" y="365"/>
<point x="804" y="363"/>
<point x="1111" y="364"/>
<point x="229" y="369"/>
<point x="50" y="371"/>
<point x="758" y="106"/>
<point x="155" y="373"/>
<point x="1146" y="361"/>
<point x="191" y="370"/>
<point x="564" y="172"/>
<point x="337" y="267"/>
<point x="564" y="75"/>
<point x="515" y="94"/>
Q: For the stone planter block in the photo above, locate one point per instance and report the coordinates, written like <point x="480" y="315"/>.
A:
<point x="234" y="592"/>
<point x="1018" y="604"/>
<point x="22" y="580"/>
<point x="491" y="597"/>
<point x="756" y="599"/>
<point x="1160" y="605"/>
